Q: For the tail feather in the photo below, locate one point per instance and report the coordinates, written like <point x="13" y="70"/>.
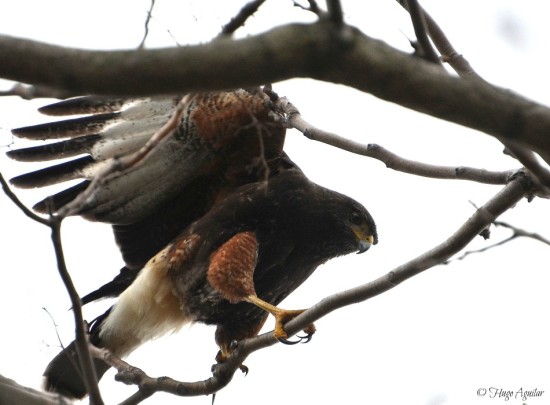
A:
<point x="113" y="288"/>
<point x="64" y="375"/>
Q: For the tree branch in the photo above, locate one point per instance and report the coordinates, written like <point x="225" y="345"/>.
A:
<point x="84" y="357"/>
<point x="32" y="92"/>
<point x="244" y="14"/>
<point x="295" y="120"/>
<point x="14" y="393"/>
<point x="317" y="51"/>
<point x="443" y="45"/>
<point x="147" y="21"/>
<point x="335" y="12"/>
<point x="516" y="233"/>
<point x="529" y="160"/>
<point x="419" y="24"/>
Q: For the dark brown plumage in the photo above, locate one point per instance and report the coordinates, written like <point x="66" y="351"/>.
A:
<point x="247" y="254"/>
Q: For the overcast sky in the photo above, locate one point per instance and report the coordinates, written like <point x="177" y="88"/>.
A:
<point x="478" y="323"/>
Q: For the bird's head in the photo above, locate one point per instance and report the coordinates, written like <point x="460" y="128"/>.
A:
<point x="363" y="227"/>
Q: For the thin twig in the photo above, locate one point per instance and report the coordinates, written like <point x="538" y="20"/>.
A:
<point x="419" y="24"/>
<point x="85" y="359"/>
<point x="147" y="21"/>
<point x="443" y="45"/>
<point x="295" y="120"/>
<point x="516" y="233"/>
<point x="81" y="335"/>
<point x="528" y="159"/>
<point x="335" y="12"/>
<point x="523" y="233"/>
<point x="244" y="14"/>
<point x="29" y="213"/>
<point x="313" y="7"/>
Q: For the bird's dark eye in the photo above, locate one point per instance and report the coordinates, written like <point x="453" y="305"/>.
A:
<point x="356" y="218"/>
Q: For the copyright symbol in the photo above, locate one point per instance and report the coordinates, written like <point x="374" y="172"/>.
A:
<point x="481" y="392"/>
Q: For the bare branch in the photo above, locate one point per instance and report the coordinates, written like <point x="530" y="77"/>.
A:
<point x="28" y="212"/>
<point x="516" y="233"/>
<point x="335" y="12"/>
<point x="54" y="223"/>
<point x="313" y="7"/>
<point x="419" y="23"/>
<point x="525" y="156"/>
<point x="147" y="21"/>
<point x="27" y="92"/>
<point x="529" y="160"/>
<point x="392" y="161"/>
<point x="14" y="393"/>
<point x="239" y="20"/>
<point x="81" y="335"/>
<point x="352" y="59"/>
<point x="443" y="45"/>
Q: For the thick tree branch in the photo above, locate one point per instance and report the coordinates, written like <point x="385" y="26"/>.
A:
<point x="14" y="393"/>
<point x="31" y="92"/>
<point x="317" y="51"/>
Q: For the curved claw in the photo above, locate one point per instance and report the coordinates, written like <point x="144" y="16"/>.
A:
<point x="301" y="339"/>
<point x="306" y="339"/>
<point x="289" y="342"/>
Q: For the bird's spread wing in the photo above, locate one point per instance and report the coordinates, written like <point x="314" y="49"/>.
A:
<point x="221" y="135"/>
<point x="111" y="127"/>
<point x="223" y="140"/>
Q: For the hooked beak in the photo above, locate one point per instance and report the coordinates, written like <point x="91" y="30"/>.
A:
<point x="365" y="243"/>
<point x="365" y="239"/>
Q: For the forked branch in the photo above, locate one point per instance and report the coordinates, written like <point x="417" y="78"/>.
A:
<point x="85" y="359"/>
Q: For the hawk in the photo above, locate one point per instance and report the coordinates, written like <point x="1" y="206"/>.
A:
<point x="217" y="225"/>
<point x="229" y="268"/>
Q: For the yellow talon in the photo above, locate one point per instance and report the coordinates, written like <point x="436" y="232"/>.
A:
<point x="282" y="316"/>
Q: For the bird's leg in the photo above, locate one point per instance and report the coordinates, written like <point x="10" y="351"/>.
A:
<point x="282" y="316"/>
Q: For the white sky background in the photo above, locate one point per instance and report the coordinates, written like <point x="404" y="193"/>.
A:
<point x="436" y="339"/>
